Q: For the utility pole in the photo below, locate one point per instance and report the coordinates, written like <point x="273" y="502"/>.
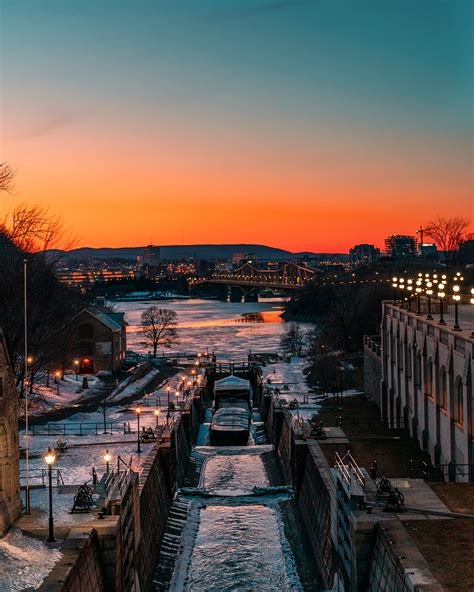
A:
<point x="25" y="389"/>
<point x="421" y="231"/>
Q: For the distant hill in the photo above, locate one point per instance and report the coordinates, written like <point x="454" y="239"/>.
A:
<point x="226" y="251"/>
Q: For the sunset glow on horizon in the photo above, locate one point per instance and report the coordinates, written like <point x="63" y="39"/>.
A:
<point x="305" y="125"/>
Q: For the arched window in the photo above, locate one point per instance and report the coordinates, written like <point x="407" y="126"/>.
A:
<point x="409" y="362"/>
<point x="86" y="331"/>
<point x="443" y="389"/>
<point x="459" y="402"/>
<point x="418" y="370"/>
<point x="429" y="379"/>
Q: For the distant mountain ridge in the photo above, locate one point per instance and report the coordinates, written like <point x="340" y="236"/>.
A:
<point x="202" y="251"/>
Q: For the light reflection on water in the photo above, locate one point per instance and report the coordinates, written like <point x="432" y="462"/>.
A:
<point x="241" y="548"/>
<point x="214" y="325"/>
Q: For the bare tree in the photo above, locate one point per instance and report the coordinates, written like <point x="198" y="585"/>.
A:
<point x="32" y="228"/>
<point x="293" y="340"/>
<point x="7" y="174"/>
<point x="159" y="327"/>
<point x="447" y="233"/>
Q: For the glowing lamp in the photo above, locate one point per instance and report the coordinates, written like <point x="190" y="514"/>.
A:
<point x="50" y="457"/>
<point x="138" y="409"/>
<point x="107" y="456"/>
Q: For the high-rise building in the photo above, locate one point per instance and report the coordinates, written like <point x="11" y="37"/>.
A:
<point x="151" y="255"/>
<point x="363" y="254"/>
<point x="400" y="246"/>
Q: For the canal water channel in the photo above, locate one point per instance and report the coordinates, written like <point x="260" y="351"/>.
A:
<point x="241" y="531"/>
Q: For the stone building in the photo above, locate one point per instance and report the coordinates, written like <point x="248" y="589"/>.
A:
<point x="100" y="340"/>
<point x="10" y="501"/>
<point x="426" y="383"/>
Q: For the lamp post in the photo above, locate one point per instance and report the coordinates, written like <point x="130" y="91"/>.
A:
<point x="418" y="291"/>
<point x="183" y="380"/>
<point x="429" y="293"/>
<point x="441" y="295"/>
<point x="168" y="389"/>
<point x="138" y="411"/>
<point x="157" y="417"/>
<point x="50" y="458"/>
<point x="401" y="287"/>
<point x="107" y="458"/>
<point x="76" y="366"/>
<point x="458" y="278"/>
<point x="394" y="286"/>
<point x="410" y="292"/>
<point x="57" y="375"/>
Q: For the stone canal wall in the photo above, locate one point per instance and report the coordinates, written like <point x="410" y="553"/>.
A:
<point x="375" y="553"/>
<point x="119" y="552"/>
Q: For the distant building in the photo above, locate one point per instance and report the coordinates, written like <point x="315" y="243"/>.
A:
<point x="466" y="251"/>
<point x="151" y="255"/>
<point x="10" y="501"/>
<point x="400" y="246"/>
<point x="99" y="337"/>
<point x="83" y="278"/>
<point x="363" y="254"/>
<point x="241" y="258"/>
<point x="427" y="250"/>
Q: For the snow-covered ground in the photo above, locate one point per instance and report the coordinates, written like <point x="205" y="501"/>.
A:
<point x="24" y="561"/>
<point x="64" y="392"/>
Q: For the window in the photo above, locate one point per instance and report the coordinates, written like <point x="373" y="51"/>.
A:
<point x="429" y="379"/>
<point x="459" y="403"/>
<point x="86" y="331"/>
<point x="418" y="370"/>
<point x="443" y="389"/>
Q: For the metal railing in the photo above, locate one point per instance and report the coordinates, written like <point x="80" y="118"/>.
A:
<point x="76" y="429"/>
<point x="39" y="477"/>
<point x="349" y="469"/>
<point x="448" y="473"/>
<point x="118" y="478"/>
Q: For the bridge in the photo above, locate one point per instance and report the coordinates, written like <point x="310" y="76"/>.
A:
<point x="289" y="276"/>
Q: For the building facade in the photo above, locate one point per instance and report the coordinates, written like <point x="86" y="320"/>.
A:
<point x="363" y="254"/>
<point x="10" y="501"/>
<point x="400" y="246"/>
<point x="100" y="340"/>
<point x="427" y="384"/>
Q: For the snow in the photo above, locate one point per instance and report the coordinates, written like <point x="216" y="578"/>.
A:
<point x="66" y="392"/>
<point x="132" y="388"/>
<point x="241" y="471"/>
<point x="24" y="561"/>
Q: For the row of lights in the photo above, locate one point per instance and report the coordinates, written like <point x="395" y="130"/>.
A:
<point x="431" y="285"/>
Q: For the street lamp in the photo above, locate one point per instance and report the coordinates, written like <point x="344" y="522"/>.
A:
<point x="441" y="295"/>
<point x="472" y="302"/>
<point x="168" y="389"/>
<point x="157" y="417"/>
<point x="107" y="458"/>
<point x="418" y="291"/>
<point x="76" y="366"/>
<point x="410" y="292"/>
<point x="138" y="411"/>
<point x="394" y="286"/>
<point x="429" y="293"/>
<point x="57" y="375"/>
<point x="456" y="298"/>
<point x="50" y="458"/>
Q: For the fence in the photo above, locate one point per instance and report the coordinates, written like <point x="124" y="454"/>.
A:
<point x="118" y="478"/>
<point x="454" y="473"/>
<point x="76" y="429"/>
<point x="39" y="477"/>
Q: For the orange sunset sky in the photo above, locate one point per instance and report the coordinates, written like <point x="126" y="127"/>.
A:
<point x="247" y="122"/>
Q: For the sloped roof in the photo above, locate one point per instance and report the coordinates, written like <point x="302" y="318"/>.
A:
<point x="105" y="319"/>
<point x="231" y="383"/>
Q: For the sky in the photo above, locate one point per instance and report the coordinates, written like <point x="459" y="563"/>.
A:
<point x="302" y="124"/>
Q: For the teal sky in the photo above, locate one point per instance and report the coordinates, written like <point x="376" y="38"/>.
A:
<point x="378" y="90"/>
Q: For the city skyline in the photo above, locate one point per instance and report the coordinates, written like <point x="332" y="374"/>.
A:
<point x="309" y="126"/>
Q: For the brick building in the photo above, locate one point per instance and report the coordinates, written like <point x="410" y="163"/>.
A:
<point x="10" y="501"/>
<point x="100" y="340"/>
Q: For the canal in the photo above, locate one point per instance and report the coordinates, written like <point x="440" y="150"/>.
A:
<point x="242" y="532"/>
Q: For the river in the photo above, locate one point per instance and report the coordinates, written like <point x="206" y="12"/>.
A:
<point x="214" y="325"/>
